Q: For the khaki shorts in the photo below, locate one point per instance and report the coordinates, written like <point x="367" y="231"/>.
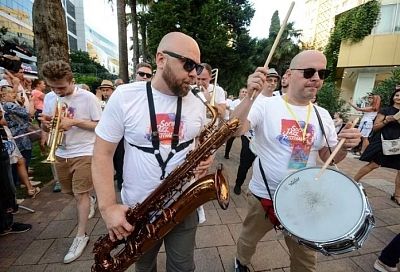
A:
<point x="75" y="174"/>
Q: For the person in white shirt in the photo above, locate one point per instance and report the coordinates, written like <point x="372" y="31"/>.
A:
<point x="81" y="112"/>
<point x="286" y="140"/>
<point x="128" y="114"/>
<point x="203" y="81"/>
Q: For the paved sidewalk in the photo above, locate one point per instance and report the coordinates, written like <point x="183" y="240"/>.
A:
<point x="54" y="226"/>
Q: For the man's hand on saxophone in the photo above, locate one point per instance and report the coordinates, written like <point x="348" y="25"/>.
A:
<point x="115" y="218"/>
<point x="202" y="168"/>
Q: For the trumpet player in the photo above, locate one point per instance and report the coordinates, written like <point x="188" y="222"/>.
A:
<point x="77" y="117"/>
<point x="128" y="114"/>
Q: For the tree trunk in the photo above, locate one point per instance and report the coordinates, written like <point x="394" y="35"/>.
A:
<point x="122" y="41"/>
<point x="143" y="33"/>
<point x="135" y="39"/>
<point x="50" y="31"/>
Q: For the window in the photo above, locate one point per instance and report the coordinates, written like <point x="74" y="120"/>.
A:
<point x="73" y="43"/>
<point x="70" y="9"/>
<point x="389" y="19"/>
<point x="71" y="25"/>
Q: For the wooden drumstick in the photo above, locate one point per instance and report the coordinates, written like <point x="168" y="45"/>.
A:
<point x="329" y="160"/>
<point x="278" y="37"/>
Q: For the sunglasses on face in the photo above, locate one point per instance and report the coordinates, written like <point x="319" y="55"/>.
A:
<point x="310" y="72"/>
<point x="188" y="64"/>
<point x="143" y="74"/>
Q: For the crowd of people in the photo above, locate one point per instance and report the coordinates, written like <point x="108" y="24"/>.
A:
<point x="154" y="122"/>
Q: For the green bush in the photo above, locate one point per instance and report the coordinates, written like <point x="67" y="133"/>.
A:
<point x="386" y="87"/>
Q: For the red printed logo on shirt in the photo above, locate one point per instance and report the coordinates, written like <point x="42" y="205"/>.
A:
<point x="165" y="126"/>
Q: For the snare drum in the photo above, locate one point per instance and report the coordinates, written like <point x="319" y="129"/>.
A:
<point x="331" y="215"/>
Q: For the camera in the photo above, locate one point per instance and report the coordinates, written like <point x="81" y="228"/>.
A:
<point x="8" y="58"/>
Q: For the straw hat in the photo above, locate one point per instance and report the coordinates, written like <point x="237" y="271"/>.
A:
<point x="106" y="84"/>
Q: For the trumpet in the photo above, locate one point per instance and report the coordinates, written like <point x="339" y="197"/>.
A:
<point x="56" y="134"/>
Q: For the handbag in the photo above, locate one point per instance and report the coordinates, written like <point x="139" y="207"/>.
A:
<point x="390" y="147"/>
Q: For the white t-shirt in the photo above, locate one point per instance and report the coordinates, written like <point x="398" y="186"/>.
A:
<point x="278" y="140"/>
<point x="127" y="115"/>
<point x="81" y="105"/>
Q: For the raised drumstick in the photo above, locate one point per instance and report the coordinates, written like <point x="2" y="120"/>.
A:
<point x="278" y="37"/>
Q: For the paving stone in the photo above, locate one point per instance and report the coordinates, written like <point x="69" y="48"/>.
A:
<point x="100" y="228"/>
<point x="229" y="216"/>
<point x="381" y="203"/>
<point x="227" y="254"/>
<point x="384" y="234"/>
<point x="69" y="212"/>
<point x="30" y="268"/>
<point x="366" y="262"/>
<point x="209" y="236"/>
<point x="389" y="216"/>
<point x="212" y="218"/>
<point x="57" y="229"/>
<point x="394" y="228"/>
<point x="56" y="252"/>
<point x="90" y="226"/>
<point x="208" y="259"/>
<point x="76" y="266"/>
<point x="341" y="265"/>
<point x="34" y="252"/>
<point x="269" y="255"/>
<point x="371" y="245"/>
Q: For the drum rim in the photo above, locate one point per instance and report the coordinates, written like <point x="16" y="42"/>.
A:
<point x="323" y="242"/>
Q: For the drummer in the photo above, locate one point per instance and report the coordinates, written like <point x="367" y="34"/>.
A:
<point x="289" y="138"/>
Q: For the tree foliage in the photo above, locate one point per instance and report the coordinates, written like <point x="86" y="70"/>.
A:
<point x="87" y="70"/>
<point x="219" y="26"/>
<point x="386" y="88"/>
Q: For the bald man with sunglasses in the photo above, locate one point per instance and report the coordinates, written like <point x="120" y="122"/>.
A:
<point x="288" y="138"/>
<point x="159" y="121"/>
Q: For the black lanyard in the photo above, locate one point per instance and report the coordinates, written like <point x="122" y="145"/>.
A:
<point x="155" y="139"/>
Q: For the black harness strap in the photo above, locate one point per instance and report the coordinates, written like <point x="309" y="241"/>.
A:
<point x="155" y="138"/>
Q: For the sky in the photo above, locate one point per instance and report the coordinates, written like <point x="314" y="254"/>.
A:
<point x="264" y="9"/>
<point x="102" y="17"/>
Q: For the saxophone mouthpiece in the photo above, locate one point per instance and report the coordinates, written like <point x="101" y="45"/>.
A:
<point x="195" y="90"/>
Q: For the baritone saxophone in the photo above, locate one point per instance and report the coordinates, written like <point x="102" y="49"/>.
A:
<point x="170" y="203"/>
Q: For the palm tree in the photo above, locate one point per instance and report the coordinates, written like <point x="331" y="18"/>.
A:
<point x="135" y="35"/>
<point x="50" y="31"/>
<point x="122" y="40"/>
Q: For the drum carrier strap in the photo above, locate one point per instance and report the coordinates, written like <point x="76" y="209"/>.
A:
<point x="155" y="139"/>
<point x="323" y="132"/>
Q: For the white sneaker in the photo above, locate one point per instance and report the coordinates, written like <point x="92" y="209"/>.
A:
<point x="76" y="249"/>
<point x="35" y="183"/>
<point x="381" y="267"/>
<point x="92" y="207"/>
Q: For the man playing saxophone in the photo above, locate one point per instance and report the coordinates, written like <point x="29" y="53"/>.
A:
<point x="140" y="112"/>
<point x="74" y="155"/>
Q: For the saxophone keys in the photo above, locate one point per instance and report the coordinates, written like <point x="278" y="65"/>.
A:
<point x="168" y="214"/>
<point x="151" y="231"/>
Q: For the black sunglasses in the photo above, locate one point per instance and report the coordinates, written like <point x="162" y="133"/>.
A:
<point x="143" y="74"/>
<point x="189" y="64"/>
<point x="310" y="72"/>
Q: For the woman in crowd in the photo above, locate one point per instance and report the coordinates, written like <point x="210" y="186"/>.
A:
<point x="370" y="111"/>
<point x="386" y="125"/>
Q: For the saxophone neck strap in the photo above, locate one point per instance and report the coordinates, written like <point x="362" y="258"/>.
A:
<point x="155" y="137"/>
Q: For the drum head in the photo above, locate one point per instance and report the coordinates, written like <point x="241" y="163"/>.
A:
<point x="320" y="210"/>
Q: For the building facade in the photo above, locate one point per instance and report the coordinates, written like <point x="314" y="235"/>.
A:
<point x="16" y="16"/>
<point x="365" y="64"/>
<point x="321" y="19"/>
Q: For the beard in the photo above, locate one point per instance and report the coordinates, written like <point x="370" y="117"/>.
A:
<point x="177" y="87"/>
